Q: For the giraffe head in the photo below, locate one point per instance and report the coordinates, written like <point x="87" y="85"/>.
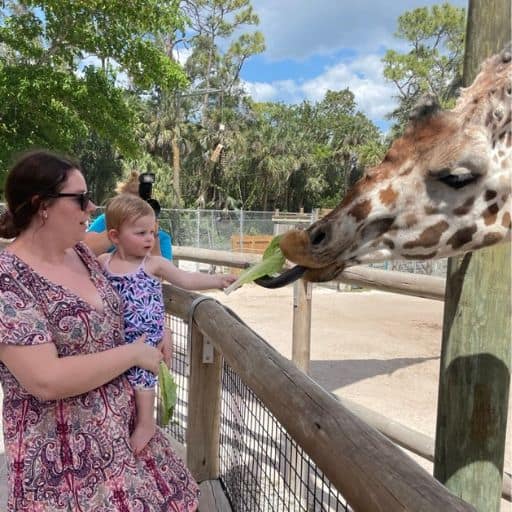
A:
<point x="442" y="189"/>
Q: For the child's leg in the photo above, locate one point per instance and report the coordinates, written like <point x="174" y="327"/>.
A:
<point x="145" y="424"/>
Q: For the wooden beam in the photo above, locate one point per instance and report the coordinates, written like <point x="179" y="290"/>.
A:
<point x="301" y="332"/>
<point x="204" y="399"/>
<point x="475" y="358"/>
<point x="405" y="283"/>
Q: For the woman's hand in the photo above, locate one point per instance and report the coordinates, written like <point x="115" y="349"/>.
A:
<point x="146" y="356"/>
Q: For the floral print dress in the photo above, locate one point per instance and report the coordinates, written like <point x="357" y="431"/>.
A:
<point x="73" y="454"/>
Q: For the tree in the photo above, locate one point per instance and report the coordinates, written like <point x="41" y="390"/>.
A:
<point x="433" y="63"/>
<point x="215" y="72"/>
<point x="48" y="93"/>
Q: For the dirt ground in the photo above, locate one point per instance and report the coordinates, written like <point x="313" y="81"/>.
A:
<point x="378" y="349"/>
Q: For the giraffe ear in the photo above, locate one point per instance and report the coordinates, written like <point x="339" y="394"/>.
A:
<point x="426" y="106"/>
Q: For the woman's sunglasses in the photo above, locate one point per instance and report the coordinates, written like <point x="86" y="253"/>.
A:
<point x="83" y="198"/>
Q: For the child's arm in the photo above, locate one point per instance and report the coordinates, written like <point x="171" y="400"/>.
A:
<point x="166" y="270"/>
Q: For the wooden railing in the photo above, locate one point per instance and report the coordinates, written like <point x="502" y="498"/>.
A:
<point x="368" y="469"/>
<point x="386" y="280"/>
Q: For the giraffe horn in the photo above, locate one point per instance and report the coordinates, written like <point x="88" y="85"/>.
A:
<point x="506" y="54"/>
<point x="426" y="106"/>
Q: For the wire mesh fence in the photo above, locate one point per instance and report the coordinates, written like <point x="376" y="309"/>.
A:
<point x="261" y="467"/>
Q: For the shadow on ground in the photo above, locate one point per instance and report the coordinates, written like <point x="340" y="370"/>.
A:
<point x="332" y="375"/>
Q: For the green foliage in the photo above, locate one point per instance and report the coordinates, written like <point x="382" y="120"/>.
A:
<point x="49" y="96"/>
<point x="433" y="63"/>
<point x="168" y="391"/>
<point x="271" y="263"/>
<point x="101" y="165"/>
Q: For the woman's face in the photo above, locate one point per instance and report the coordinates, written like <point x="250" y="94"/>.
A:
<point x="65" y="215"/>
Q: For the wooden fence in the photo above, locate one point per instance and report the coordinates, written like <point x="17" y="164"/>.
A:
<point x="368" y="469"/>
<point x="386" y="280"/>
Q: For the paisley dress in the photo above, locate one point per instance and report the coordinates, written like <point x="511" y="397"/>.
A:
<point x="143" y="311"/>
<point x="73" y="454"/>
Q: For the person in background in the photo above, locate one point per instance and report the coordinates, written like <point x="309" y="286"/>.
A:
<point x="136" y="274"/>
<point x="68" y="408"/>
<point x="139" y="185"/>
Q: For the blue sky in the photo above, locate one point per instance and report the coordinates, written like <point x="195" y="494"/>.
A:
<point x="315" y="45"/>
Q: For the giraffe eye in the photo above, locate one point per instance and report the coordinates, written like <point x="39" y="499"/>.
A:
<point x="456" y="178"/>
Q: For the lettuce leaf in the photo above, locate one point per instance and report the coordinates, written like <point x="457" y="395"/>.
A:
<point x="271" y="263"/>
<point x="168" y="391"/>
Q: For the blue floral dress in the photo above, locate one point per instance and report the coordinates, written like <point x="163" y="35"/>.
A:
<point x="143" y="311"/>
<point x="74" y="454"/>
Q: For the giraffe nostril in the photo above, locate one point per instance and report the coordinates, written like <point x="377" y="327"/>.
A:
<point x="317" y="236"/>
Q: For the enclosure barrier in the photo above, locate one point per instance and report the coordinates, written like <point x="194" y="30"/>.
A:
<point x="429" y="287"/>
<point x="368" y="469"/>
<point x="405" y="283"/>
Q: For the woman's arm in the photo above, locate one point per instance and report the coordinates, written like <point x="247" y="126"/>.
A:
<point x="96" y="237"/>
<point x="166" y="270"/>
<point x="40" y="370"/>
<point x="97" y="242"/>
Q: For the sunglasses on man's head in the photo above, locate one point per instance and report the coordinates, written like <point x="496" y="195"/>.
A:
<point x="83" y="198"/>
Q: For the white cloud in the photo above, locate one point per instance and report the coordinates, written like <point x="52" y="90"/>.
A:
<point x="362" y="76"/>
<point x="297" y="29"/>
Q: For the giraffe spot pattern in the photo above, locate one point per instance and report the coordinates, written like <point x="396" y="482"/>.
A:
<point x="490" y="194"/>
<point x="388" y="196"/>
<point x="406" y="171"/>
<point x="429" y="236"/>
<point x="506" y="221"/>
<point x="410" y="220"/>
<point x="491" y="239"/>
<point x="431" y="210"/>
<point x="465" y="207"/>
<point x="361" y="210"/>
<point x="462" y="236"/>
<point x="490" y="214"/>
<point x="376" y="228"/>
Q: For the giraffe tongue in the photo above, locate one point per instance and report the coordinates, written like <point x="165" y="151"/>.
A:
<point x="286" y="277"/>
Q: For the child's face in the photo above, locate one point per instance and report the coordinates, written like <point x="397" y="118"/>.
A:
<point x="137" y="237"/>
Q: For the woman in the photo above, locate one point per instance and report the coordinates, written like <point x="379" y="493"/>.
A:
<point x="68" y="408"/>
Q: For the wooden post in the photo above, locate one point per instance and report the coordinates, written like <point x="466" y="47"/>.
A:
<point x="301" y="334"/>
<point x="204" y="400"/>
<point x="475" y="359"/>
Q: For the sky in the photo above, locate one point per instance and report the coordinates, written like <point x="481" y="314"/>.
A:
<point x="316" y="45"/>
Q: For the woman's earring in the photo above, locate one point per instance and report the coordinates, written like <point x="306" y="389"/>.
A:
<point x="44" y="215"/>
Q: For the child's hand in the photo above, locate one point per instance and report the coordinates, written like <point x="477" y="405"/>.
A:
<point x="225" y="280"/>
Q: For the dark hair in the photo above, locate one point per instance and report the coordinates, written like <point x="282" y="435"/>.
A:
<point x="34" y="176"/>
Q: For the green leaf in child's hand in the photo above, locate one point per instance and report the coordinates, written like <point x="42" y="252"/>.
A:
<point x="168" y="391"/>
<point x="271" y="263"/>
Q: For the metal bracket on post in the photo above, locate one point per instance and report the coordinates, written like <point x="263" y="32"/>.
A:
<point x="207" y="345"/>
<point x="207" y="351"/>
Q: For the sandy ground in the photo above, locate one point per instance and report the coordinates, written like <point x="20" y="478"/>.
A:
<point x="378" y="349"/>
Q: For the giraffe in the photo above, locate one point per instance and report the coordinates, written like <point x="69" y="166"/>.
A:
<point x="442" y="189"/>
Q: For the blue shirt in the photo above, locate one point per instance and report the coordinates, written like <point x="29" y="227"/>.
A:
<point x="99" y="225"/>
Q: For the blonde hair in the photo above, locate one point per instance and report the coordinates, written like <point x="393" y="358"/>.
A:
<point x="124" y="208"/>
<point x="130" y="186"/>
